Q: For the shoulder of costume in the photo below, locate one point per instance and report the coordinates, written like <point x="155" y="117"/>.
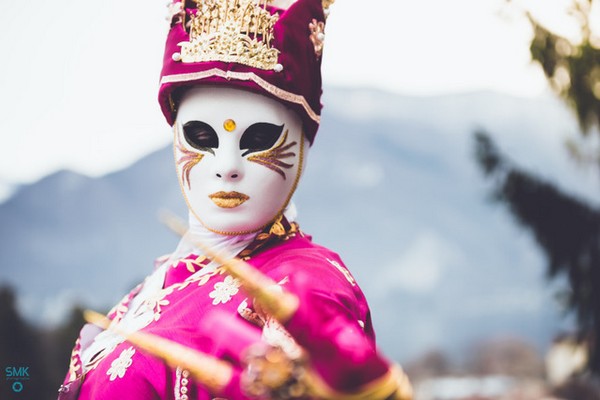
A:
<point x="300" y="254"/>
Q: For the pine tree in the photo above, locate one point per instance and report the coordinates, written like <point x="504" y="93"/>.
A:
<point x="566" y="228"/>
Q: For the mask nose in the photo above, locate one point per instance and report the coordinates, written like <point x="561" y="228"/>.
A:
<point x="228" y="165"/>
<point x="231" y="175"/>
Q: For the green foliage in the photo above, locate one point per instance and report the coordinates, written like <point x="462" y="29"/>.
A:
<point x="566" y="228"/>
<point x="572" y="68"/>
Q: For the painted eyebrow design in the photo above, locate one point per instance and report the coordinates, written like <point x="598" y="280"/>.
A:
<point x="188" y="158"/>
<point x="272" y="158"/>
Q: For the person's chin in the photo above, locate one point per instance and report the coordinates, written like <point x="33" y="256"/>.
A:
<point x="234" y="225"/>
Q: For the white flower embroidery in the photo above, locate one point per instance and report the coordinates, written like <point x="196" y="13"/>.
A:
<point x="225" y="290"/>
<point x="120" y="364"/>
<point x="155" y="303"/>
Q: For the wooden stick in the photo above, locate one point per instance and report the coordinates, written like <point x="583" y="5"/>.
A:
<point x="278" y="303"/>
<point x="282" y="305"/>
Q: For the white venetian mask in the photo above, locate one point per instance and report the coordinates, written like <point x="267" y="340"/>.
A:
<point x="239" y="157"/>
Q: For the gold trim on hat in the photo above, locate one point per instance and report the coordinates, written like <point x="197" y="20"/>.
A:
<point x="237" y="31"/>
<point x="327" y="3"/>
<point x="245" y="76"/>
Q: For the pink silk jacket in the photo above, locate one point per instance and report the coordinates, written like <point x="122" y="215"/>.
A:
<point x="333" y="324"/>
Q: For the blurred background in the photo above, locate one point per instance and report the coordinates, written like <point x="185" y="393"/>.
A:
<point x="456" y="172"/>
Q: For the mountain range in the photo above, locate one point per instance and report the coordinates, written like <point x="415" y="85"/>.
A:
<point x="391" y="185"/>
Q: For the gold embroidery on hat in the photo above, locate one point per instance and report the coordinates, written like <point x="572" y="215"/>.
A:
<point x="317" y="35"/>
<point x="245" y="76"/>
<point x="229" y="31"/>
<point x="327" y="4"/>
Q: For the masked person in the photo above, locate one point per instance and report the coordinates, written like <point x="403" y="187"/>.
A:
<point x="241" y="86"/>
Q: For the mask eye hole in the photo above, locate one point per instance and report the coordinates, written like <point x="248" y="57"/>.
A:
<point x="200" y="135"/>
<point x="259" y="137"/>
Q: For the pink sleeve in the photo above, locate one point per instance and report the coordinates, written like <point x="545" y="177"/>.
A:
<point x="330" y="320"/>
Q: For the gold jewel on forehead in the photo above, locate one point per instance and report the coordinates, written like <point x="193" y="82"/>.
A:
<point x="272" y="157"/>
<point x="229" y="31"/>
<point x="229" y="125"/>
<point x="189" y="159"/>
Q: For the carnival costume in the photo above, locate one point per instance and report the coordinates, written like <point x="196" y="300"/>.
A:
<point x="241" y="86"/>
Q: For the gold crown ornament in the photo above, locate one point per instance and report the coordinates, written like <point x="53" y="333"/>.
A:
<point x="271" y="47"/>
<point x="326" y="5"/>
<point x="237" y="31"/>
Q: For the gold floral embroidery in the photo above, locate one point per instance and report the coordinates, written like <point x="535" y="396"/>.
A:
<point x="120" y="309"/>
<point x="201" y="280"/>
<point x="229" y="32"/>
<point x="156" y="303"/>
<point x="225" y="290"/>
<point x="272" y="157"/>
<point x="75" y="364"/>
<point x="277" y="228"/>
<point x="191" y="265"/>
<point x="205" y="278"/>
<point x="317" y="35"/>
<point x="119" y="366"/>
<point x="281" y="229"/>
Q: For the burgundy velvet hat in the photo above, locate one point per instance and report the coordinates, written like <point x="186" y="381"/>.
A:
<point x="264" y="46"/>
